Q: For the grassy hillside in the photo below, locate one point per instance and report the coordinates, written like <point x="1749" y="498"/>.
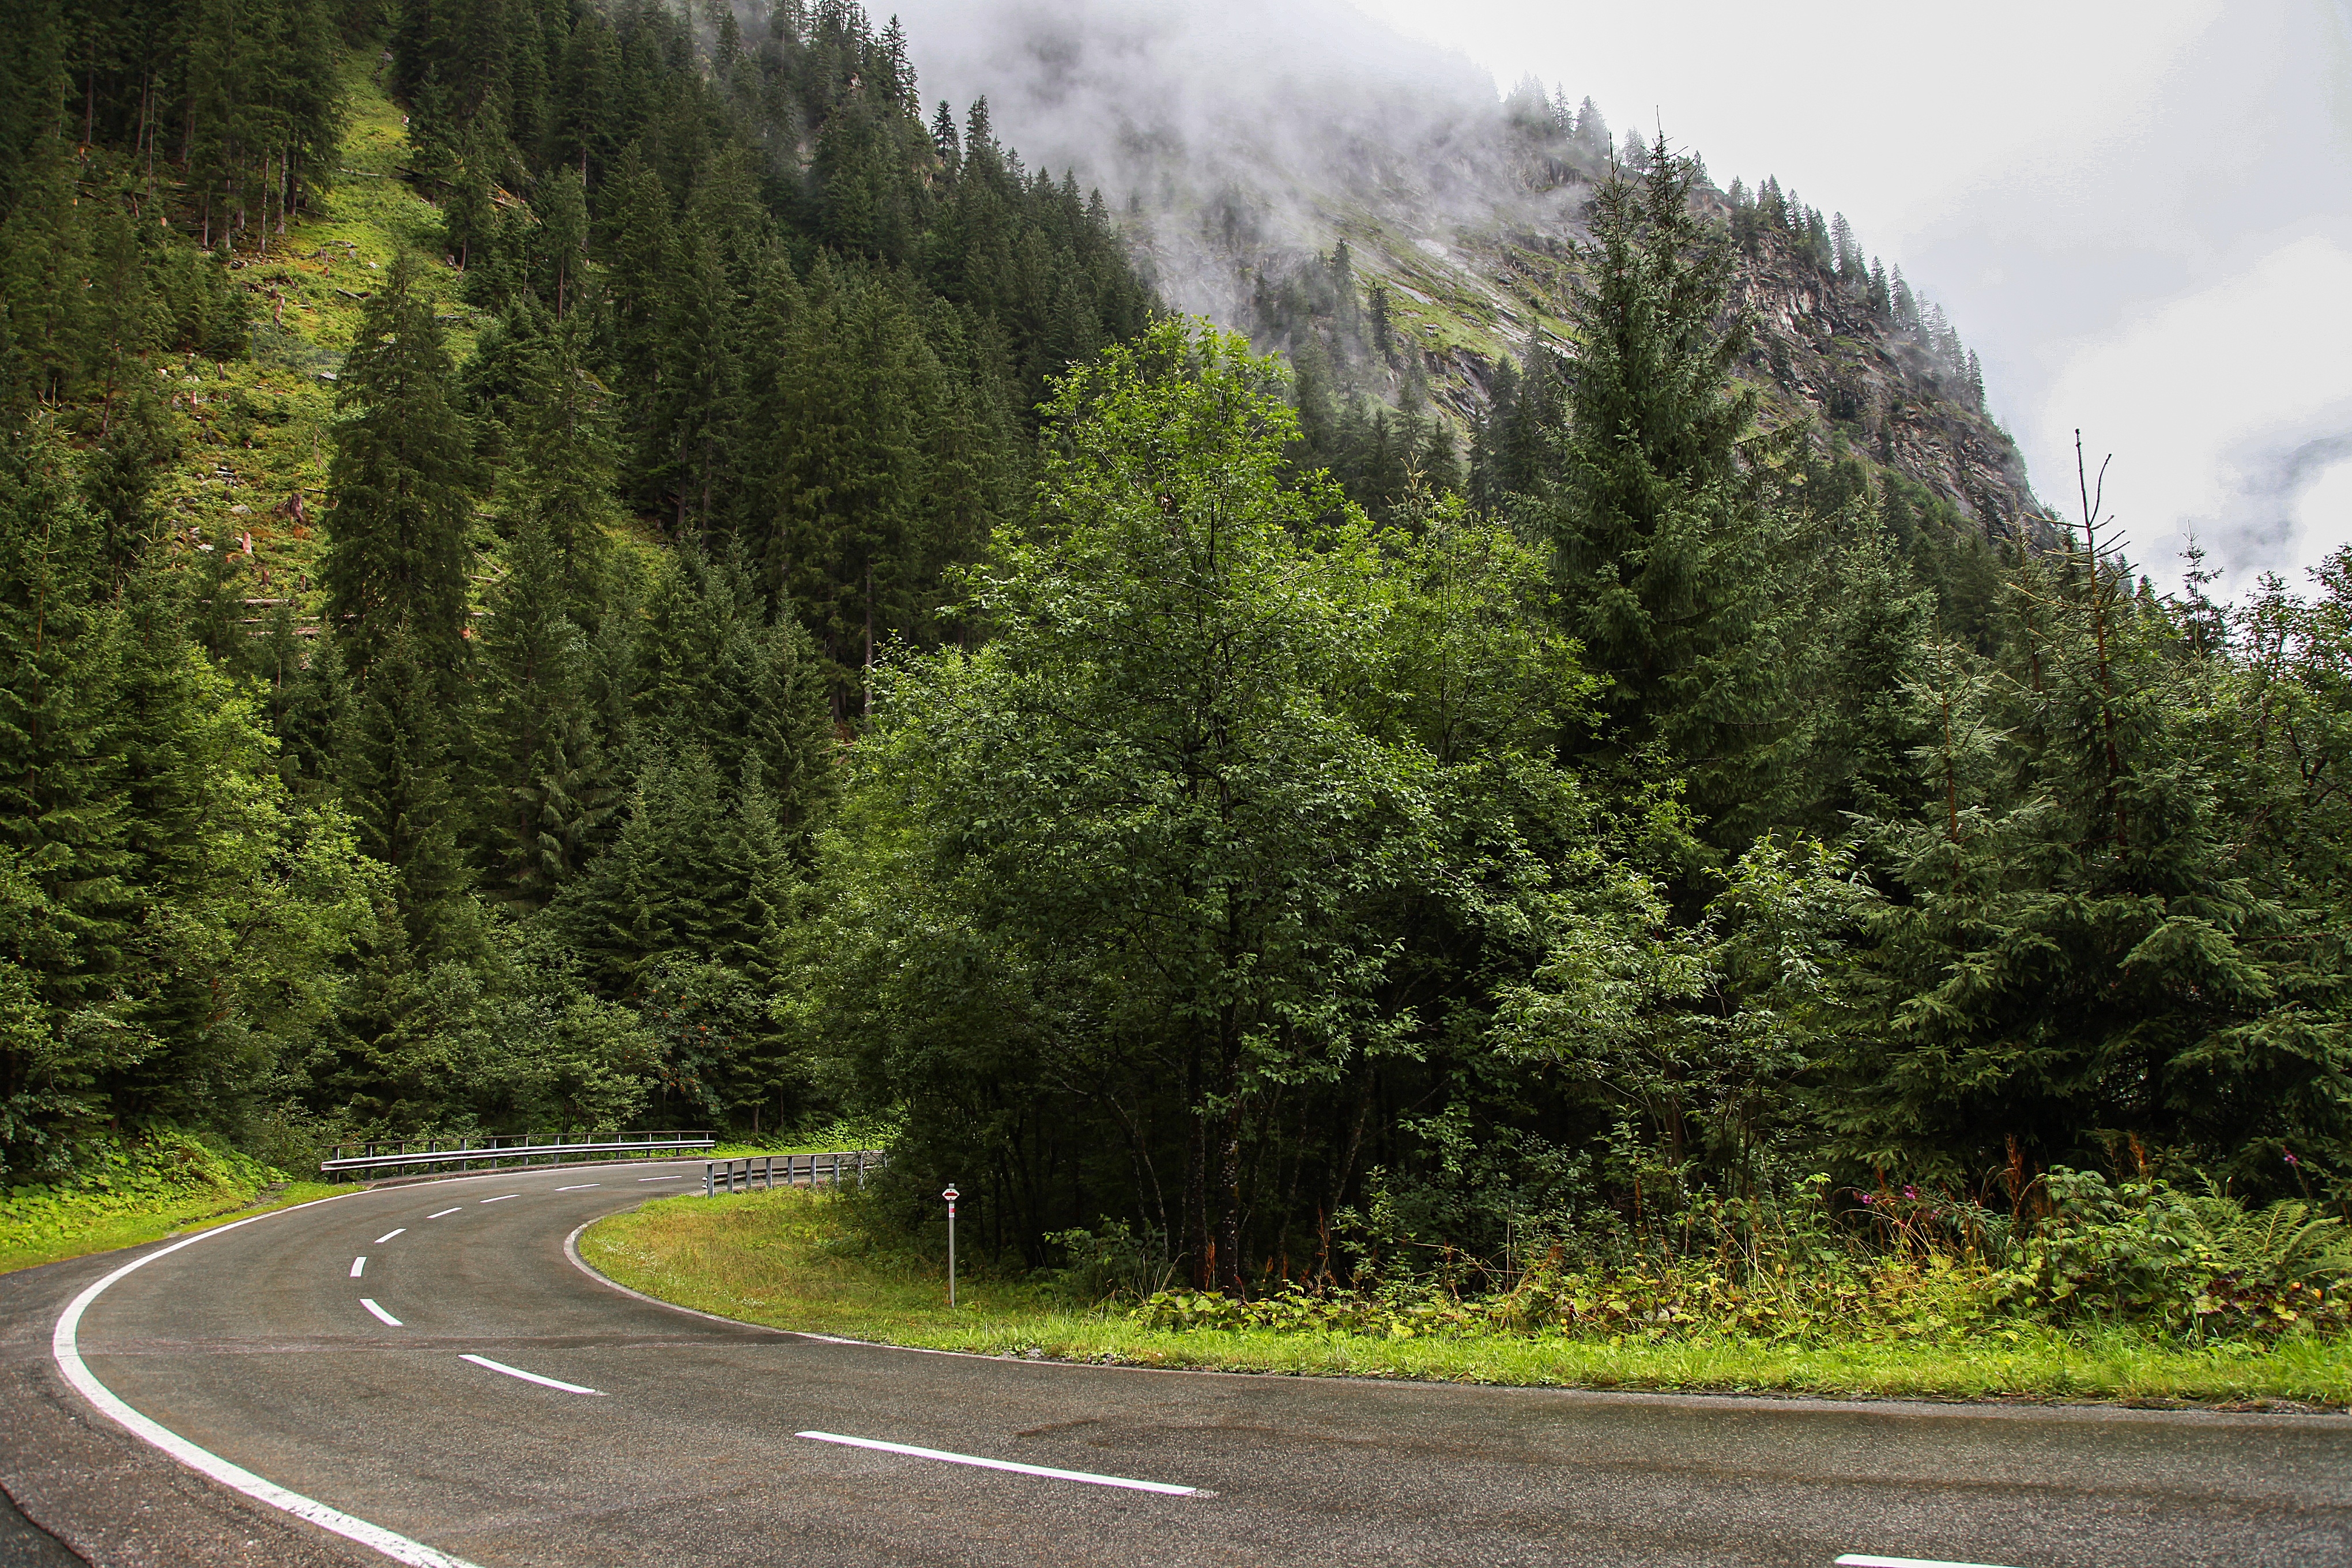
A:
<point x="256" y="432"/>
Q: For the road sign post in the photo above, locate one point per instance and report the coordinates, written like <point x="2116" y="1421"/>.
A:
<point x="951" y="1194"/>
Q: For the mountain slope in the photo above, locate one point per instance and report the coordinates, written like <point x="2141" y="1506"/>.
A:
<point x="1246" y="146"/>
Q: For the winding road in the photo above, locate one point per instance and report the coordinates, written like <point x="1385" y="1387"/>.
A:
<point x="470" y="1393"/>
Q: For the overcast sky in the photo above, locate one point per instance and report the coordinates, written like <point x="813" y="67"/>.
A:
<point x="2139" y="213"/>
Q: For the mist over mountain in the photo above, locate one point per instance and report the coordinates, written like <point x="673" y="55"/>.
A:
<point x="1243" y="146"/>
<point x="1235" y="128"/>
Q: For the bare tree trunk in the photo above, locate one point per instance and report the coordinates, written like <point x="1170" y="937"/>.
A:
<point x="1229" y="1187"/>
<point x="1197" y="1245"/>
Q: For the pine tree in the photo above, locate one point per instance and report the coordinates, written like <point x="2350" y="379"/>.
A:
<point x="564" y="472"/>
<point x="562" y="236"/>
<point x="398" y="779"/>
<point x="696" y="405"/>
<point x="67" y="912"/>
<point x="946" y="140"/>
<point x="2091" y="943"/>
<point x="402" y="486"/>
<point x="539" y="781"/>
<point x="1657" y="525"/>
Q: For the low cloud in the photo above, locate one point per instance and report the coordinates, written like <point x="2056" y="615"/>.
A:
<point x="2227" y="409"/>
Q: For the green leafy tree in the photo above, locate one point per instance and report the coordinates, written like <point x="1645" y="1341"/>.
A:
<point x="1145" y="792"/>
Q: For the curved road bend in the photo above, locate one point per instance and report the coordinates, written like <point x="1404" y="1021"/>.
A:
<point x="258" y="1345"/>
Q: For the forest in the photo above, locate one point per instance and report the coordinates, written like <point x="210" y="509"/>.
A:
<point x="790" y="628"/>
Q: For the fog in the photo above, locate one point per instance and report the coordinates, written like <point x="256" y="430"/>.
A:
<point x="1252" y="130"/>
<point x="2135" y="211"/>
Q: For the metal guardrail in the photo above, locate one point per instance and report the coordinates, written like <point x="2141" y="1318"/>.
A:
<point x="827" y="1170"/>
<point x="490" y="1153"/>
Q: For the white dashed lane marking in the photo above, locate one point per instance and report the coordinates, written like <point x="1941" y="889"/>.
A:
<point x="502" y="1197"/>
<point x="382" y="1316"/>
<point x="1164" y="1488"/>
<point x="581" y="1188"/>
<point x="359" y="1266"/>
<point x="1864" y="1560"/>
<point x="532" y="1376"/>
<point x="444" y="1210"/>
<point x="388" y="1235"/>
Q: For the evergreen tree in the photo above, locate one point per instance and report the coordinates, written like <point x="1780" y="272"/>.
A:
<point x="69" y="909"/>
<point x="541" y="784"/>
<point x="2089" y="944"/>
<point x="402" y="486"/>
<point x="1659" y="529"/>
<point x="562" y="478"/>
<point x="398" y="774"/>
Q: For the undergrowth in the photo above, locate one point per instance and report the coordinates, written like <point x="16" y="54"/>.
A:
<point x="815" y="1262"/>
<point x="120" y="1193"/>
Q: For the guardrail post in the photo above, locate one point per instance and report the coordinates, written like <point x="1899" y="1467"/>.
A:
<point x="709" y="1182"/>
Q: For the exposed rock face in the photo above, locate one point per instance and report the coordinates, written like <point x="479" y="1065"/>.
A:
<point x="1819" y="346"/>
<point x="1462" y="296"/>
<point x="1246" y="141"/>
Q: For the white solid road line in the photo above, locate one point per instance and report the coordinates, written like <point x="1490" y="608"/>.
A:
<point x="502" y="1197"/>
<point x="65" y="1350"/>
<point x="388" y="1235"/>
<point x="444" y="1210"/>
<point x="532" y="1376"/>
<point x="946" y="1458"/>
<point x="581" y="1188"/>
<point x="1862" y="1560"/>
<point x="368" y="1302"/>
<point x="359" y="1266"/>
<point x="661" y="1178"/>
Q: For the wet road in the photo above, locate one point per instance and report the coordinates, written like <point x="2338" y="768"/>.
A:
<point x="470" y="1393"/>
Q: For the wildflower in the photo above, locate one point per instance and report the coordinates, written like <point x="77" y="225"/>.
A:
<point x="1868" y="1199"/>
<point x="2291" y="1158"/>
<point x="1910" y="1192"/>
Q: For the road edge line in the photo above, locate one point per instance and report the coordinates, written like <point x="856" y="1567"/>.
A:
<point x="65" y="1350"/>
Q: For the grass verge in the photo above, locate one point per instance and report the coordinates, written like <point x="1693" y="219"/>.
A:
<point x="76" y="1224"/>
<point x="795" y="1260"/>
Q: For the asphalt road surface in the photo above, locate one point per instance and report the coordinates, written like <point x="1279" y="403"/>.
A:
<point x="658" y="1438"/>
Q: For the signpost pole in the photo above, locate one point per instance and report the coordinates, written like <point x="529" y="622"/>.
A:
<point x="951" y="1194"/>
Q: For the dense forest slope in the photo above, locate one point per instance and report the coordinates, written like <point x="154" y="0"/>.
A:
<point x="563" y="563"/>
<point x="1296" y="173"/>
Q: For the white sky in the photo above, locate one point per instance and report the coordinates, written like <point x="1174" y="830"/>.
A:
<point x="2139" y="213"/>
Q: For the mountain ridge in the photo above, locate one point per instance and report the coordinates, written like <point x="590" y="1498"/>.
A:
<point x="1237" y="171"/>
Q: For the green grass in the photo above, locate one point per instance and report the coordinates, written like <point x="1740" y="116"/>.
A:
<point x="256" y="432"/>
<point x="795" y="1260"/>
<point x="74" y="1225"/>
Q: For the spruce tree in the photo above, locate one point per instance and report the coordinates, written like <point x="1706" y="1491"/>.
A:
<point x="1659" y="530"/>
<point x="402" y="486"/>
<point x="564" y="472"/>
<point x="540" y="779"/>
<point x="67" y="912"/>
<point x="397" y="776"/>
